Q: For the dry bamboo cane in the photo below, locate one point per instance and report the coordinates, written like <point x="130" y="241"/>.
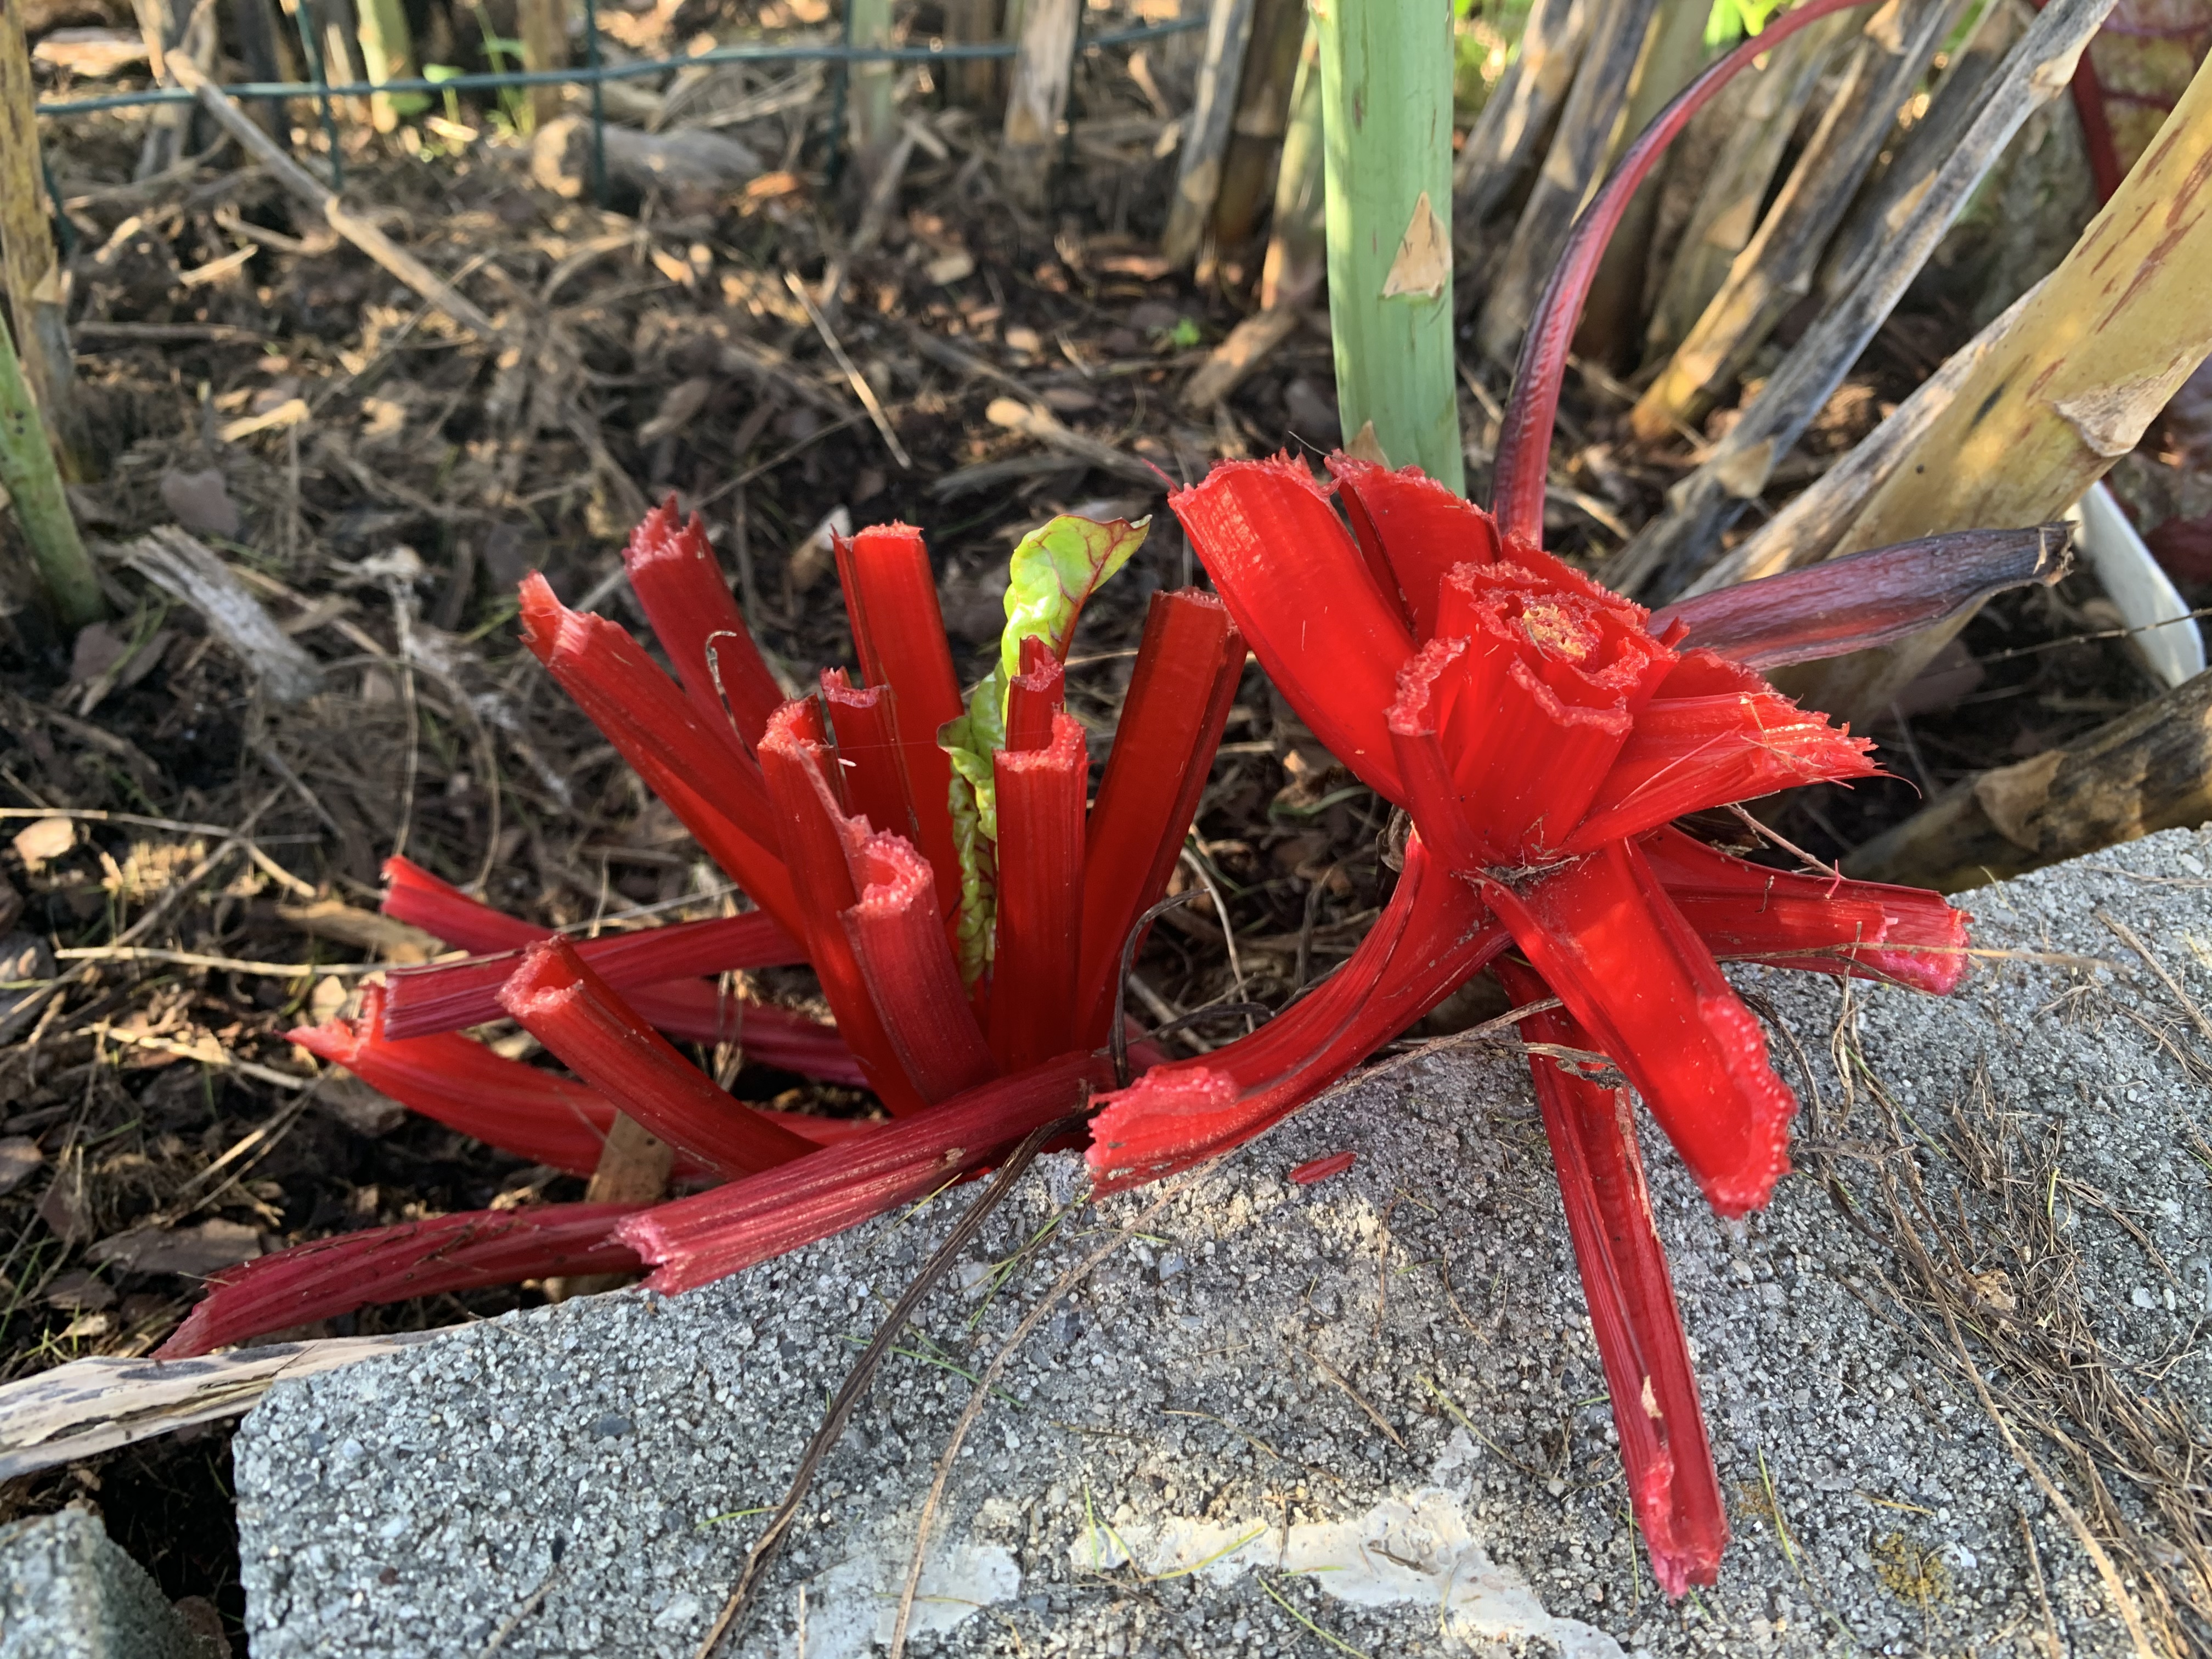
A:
<point x="1777" y="268"/>
<point x="1511" y="135"/>
<point x="874" y="121"/>
<point x="1206" y="133"/>
<point x="1666" y="552"/>
<point x="1808" y="530"/>
<point x="30" y="275"/>
<point x="1674" y="52"/>
<point x="544" y="27"/>
<point x="1958" y="100"/>
<point x="1576" y="157"/>
<point x="1297" y="248"/>
<point x="1038" y="97"/>
<point x="1727" y="211"/>
<point x="1263" y="108"/>
<point x="2151" y="769"/>
<point x="2093" y="356"/>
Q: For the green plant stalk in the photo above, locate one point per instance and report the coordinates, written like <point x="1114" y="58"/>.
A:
<point x="1386" y="75"/>
<point x="33" y="483"/>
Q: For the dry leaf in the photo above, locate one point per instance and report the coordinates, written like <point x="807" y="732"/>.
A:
<point x="201" y="502"/>
<point x="193" y="1252"/>
<point x="18" y="1156"/>
<point x="80" y="1292"/>
<point x="42" y="840"/>
<point x="334" y="919"/>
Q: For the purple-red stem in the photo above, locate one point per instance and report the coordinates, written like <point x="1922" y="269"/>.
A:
<point x="679" y="582"/>
<point x="899" y="941"/>
<point x="1524" y="441"/>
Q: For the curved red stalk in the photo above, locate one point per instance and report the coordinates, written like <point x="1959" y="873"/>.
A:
<point x="1792" y="919"/>
<point x="871" y="761"/>
<point x="712" y="787"/>
<point x="1431" y="936"/>
<point x="898" y="939"/>
<point x="1524" y="441"/>
<point x="1034" y="696"/>
<point x="447" y="996"/>
<point x="559" y="1000"/>
<point x="1415" y="528"/>
<point x="1305" y="600"/>
<point x="694" y="1241"/>
<point x="1611" y="944"/>
<point x="1653" y="1388"/>
<point x="678" y="581"/>
<point x="795" y="758"/>
<point x="328" y="1277"/>
<point x="1184" y="683"/>
<point x="1432" y="796"/>
<point x="898" y="632"/>
<point x="1040" y="921"/>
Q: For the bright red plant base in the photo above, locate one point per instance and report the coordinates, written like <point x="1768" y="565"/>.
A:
<point x="1542" y="735"/>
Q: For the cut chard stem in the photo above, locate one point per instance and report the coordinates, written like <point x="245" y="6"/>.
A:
<point x="706" y="782"/>
<point x="898" y="632"/>
<point x="1614" y="948"/>
<point x="1040" y="917"/>
<point x="796" y="758"/>
<point x="559" y="1000"/>
<point x="696" y="1011"/>
<point x="1184" y="683"/>
<point x="1671" y="1478"/>
<point x="328" y="1277"/>
<point x="695" y="1240"/>
<point x="678" y="581"/>
<point x="871" y="760"/>
<point x="1035" y="696"/>
<point x="447" y="996"/>
<point x="898" y="939"/>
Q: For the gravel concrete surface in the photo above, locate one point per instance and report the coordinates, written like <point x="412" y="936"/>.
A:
<point x="68" y="1591"/>
<point x="1367" y="1415"/>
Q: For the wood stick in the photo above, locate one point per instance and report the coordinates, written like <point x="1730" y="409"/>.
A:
<point x="1577" y="153"/>
<point x="2094" y="355"/>
<point x="633" y="1168"/>
<point x="1248" y="346"/>
<point x="1511" y="135"/>
<point x="92" y="1406"/>
<point x="1726" y="214"/>
<point x="2150" y="769"/>
<point x="1776" y="269"/>
<point x="1263" y="107"/>
<point x="1297" y="246"/>
<point x="1036" y="422"/>
<point x="1808" y="530"/>
<point x="313" y="193"/>
<point x="1043" y="65"/>
<point x="1205" y="133"/>
<point x="543" y="26"/>
<point x="1667" y="551"/>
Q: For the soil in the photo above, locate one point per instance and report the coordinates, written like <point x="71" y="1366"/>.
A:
<point x="405" y="477"/>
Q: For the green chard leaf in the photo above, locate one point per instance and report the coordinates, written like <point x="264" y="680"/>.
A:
<point x="1052" y="572"/>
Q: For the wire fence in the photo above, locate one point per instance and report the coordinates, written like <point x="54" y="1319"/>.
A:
<point x="594" y="75"/>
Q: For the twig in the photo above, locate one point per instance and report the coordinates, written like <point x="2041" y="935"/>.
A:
<point x="859" y="381"/>
<point x="1066" y="1282"/>
<point x="318" y="196"/>
<point x="864" y="1371"/>
<point x="2127" y="937"/>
